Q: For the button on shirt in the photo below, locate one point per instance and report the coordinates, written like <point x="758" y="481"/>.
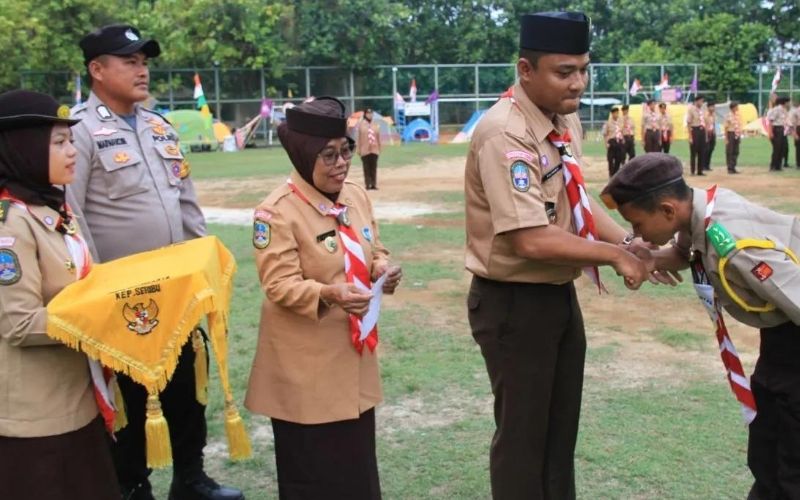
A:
<point x="511" y="183"/>
<point x="131" y="189"/>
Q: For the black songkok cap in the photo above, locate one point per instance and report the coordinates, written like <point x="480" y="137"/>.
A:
<point x="117" y="40"/>
<point x="322" y="117"/>
<point x="555" y="32"/>
<point x="641" y="176"/>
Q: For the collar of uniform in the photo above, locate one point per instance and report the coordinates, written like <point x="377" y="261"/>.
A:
<point x="93" y="102"/>
<point x="698" y="220"/>
<point x="540" y="125"/>
<point x="46" y="215"/>
<point x="317" y="200"/>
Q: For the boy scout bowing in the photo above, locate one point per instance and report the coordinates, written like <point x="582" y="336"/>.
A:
<point x="747" y="256"/>
<point x="133" y="193"/>
<point x="524" y="253"/>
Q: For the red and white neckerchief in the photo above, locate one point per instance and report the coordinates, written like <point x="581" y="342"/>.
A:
<point x="740" y="385"/>
<point x="371" y="135"/>
<point x="737" y="125"/>
<point x="578" y="199"/>
<point x="81" y="262"/>
<point x="355" y="267"/>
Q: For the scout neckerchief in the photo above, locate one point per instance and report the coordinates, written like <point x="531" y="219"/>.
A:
<point x="80" y="262"/>
<point x="371" y="139"/>
<point x="578" y="199"/>
<point x="730" y="358"/>
<point x="355" y="267"/>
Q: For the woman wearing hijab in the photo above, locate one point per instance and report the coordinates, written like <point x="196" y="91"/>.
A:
<point x="315" y="371"/>
<point x="52" y="439"/>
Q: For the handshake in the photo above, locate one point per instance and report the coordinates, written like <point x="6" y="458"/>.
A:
<point x="638" y="263"/>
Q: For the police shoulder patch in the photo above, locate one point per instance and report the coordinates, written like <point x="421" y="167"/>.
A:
<point x="10" y="272"/>
<point x="262" y="234"/>
<point x="520" y="176"/>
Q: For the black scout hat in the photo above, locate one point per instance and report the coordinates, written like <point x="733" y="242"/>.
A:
<point x="555" y="32"/>
<point x="641" y="176"/>
<point x="322" y="117"/>
<point x="25" y="109"/>
<point x="117" y="40"/>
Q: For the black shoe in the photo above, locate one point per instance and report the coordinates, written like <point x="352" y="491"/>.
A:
<point x="700" y="173"/>
<point x="734" y="171"/>
<point x="202" y="487"/>
<point x="141" y="491"/>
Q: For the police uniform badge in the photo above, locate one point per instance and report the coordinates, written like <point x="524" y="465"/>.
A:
<point x="159" y="130"/>
<point x="185" y="169"/>
<point x="172" y="149"/>
<point x="104" y="113"/>
<point x="121" y="157"/>
<point x="261" y="234"/>
<point x="10" y="270"/>
<point x="520" y="176"/>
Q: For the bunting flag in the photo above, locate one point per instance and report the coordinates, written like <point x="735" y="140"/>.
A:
<point x="412" y="92"/>
<point x="399" y="102"/>
<point x="432" y="98"/>
<point x="776" y="80"/>
<point x="636" y="86"/>
<point x="693" y="86"/>
<point x="200" y="97"/>
<point x="664" y="83"/>
<point x="266" y="108"/>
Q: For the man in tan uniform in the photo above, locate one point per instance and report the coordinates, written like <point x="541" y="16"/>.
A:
<point x="651" y="127"/>
<point x="695" y="122"/>
<point x="524" y="256"/>
<point x="733" y="136"/>
<point x="794" y="121"/>
<point x="777" y="118"/>
<point x="614" y="141"/>
<point x="711" y="133"/>
<point x="133" y="193"/>
<point x="748" y="254"/>
<point x="369" y="148"/>
<point x="626" y="122"/>
<point x="666" y="127"/>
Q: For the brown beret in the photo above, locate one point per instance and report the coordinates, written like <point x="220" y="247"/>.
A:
<point x="641" y="176"/>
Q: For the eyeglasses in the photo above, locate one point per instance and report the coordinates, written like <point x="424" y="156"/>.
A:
<point x="329" y="157"/>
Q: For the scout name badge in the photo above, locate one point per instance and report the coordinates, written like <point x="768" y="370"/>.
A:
<point x="152" y="302"/>
<point x="355" y="266"/>
<point x="723" y="243"/>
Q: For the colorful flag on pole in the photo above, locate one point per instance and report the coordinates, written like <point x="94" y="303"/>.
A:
<point x="412" y="92"/>
<point x="635" y="87"/>
<point x="266" y="108"/>
<point x="432" y="98"/>
<point x="664" y="83"/>
<point x="399" y="102"/>
<point x="693" y="86"/>
<point x="776" y="80"/>
<point x="200" y="97"/>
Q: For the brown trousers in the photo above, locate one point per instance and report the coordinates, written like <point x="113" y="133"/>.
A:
<point x="652" y="141"/>
<point x="370" y="164"/>
<point x="534" y="345"/>
<point x="732" y="150"/>
<point x="697" y="150"/>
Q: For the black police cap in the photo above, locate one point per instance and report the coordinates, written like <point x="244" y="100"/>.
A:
<point x="118" y="40"/>
<point x="25" y="109"/>
<point x="556" y="32"/>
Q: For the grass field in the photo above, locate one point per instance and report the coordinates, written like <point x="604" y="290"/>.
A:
<point x="658" y="419"/>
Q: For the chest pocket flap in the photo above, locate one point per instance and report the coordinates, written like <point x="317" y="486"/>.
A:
<point x="123" y="172"/>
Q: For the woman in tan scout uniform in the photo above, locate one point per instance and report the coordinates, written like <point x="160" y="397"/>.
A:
<point x="747" y="256"/>
<point x="369" y="148"/>
<point x="315" y="374"/>
<point x="52" y="441"/>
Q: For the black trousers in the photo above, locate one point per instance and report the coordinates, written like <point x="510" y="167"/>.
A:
<point x="185" y="416"/>
<point x="615" y="155"/>
<point x="69" y="466"/>
<point x="333" y="461"/>
<point x="630" y="148"/>
<point x="711" y="143"/>
<point x="773" y="449"/>
<point x="797" y="152"/>
<point x="779" y="142"/>
<point x="652" y="141"/>
<point x="697" y="150"/>
<point x="534" y="345"/>
<point x="666" y="142"/>
<point x="732" y="150"/>
<point x="370" y="164"/>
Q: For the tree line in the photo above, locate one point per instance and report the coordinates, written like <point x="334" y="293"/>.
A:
<point x="727" y="36"/>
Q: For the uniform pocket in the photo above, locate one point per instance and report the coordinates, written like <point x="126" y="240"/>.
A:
<point x="123" y="173"/>
<point x="174" y="163"/>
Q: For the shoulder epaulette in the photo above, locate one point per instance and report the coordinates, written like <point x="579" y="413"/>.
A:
<point x="153" y="112"/>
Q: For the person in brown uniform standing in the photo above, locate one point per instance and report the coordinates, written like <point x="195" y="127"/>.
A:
<point x="369" y="148"/>
<point x="733" y="136"/>
<point x="525" y="248"/>
<point x="666" y="127"/>
<point x="777" y="117"/>
<point x="695" y="121"/>
<point x="614" y="141"/>
<point x="626" y="122"/>
<point x="794" y="122"/>
<point x="711" y="133"/>
<point x="651" y="128"/>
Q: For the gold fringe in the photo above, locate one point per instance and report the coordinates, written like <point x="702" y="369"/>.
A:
<point x="121" y="416"/>
<point x="238" y="443"/>
<point x="200" y="367"/>
<point x="159" y="449"/>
